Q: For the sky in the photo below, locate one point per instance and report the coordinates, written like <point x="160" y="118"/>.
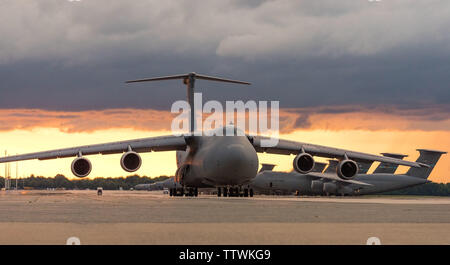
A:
<point x="366" y="76"/>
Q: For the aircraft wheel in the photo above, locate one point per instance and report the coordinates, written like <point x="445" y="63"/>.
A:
<point x="225" y="192"/>
<point x="196" y="192"/>
<point x="245" y="192"/>
<point x="219" y="192"/>
<point x="251" y="192"/>
<point x="170" y="192"/>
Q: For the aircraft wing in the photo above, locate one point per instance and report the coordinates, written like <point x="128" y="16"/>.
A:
<point x="287" y="147"/>
<point x="330" y="176"/>
<point x="161" y="143"/>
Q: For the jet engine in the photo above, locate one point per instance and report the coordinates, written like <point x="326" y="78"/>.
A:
<point x="347" y="169"/>
<point x="303" y="163"/>
<point x="130" y="161"/>
<point x="81" y="167"/>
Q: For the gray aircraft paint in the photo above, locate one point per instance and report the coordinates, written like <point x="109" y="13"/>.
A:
<point x="388" y="168"/>
<point x="219" y="161"/>
<point x="160" y="185"/>
<point x="331" y="168"/>
<point x="319" y="167"/>
<point x="265" y="167"/>
<point x="206" y="160"/>
<point x="430" y="157"/>
<point x="287" y="183"/>
<point x="364" y="166"/>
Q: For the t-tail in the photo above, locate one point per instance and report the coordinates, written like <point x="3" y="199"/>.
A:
<point x="388" y="168"/>
<point x="189" y="81"/>
<point x="429" y="157"/>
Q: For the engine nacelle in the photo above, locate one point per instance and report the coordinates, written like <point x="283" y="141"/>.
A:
<point x="347" y="169"/>
<point x="81" y="167"/>
<point x="130" y="161"/>
<point x="303" y="163"/>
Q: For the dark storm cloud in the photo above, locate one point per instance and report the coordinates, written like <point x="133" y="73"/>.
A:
<point x="302" y="121"/>
<point x="61" y="55"/>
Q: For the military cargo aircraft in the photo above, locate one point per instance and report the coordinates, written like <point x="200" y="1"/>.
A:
<point x="326" y="183"/>
<point x="228" y="163"/>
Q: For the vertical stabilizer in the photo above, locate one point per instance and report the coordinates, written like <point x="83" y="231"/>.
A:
<point x="319" y="167"/>
<point x="332" y="165"/>
<point x="388" y="168"/>
<point x="429" y="157"/>
<point x="189" y="81"/>
<point x="266" y="167"/>
<point x="364" y="166"/>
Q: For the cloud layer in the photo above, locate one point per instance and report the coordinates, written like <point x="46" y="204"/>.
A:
<point x="62" y="55"/>
<point x="335" y="118"/>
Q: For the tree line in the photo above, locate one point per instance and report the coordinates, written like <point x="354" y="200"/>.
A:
<point x="61" y="182"/>
<point x="126" y="183"/>
<point x="428" y="189"/>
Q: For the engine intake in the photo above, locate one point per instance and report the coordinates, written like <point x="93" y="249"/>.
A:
<point x="130" y="161"/>
<point x="347" y="169"/>
<point x="81" y="167"/>
<point x="303" y="163"/>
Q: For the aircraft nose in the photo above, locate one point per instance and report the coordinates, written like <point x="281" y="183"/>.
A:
<point x="234" y="165"/>
<point x="234" y="156"/>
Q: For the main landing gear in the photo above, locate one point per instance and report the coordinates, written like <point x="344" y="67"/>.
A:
<point x="180" y="192"/>
<point x="234" y="192"/>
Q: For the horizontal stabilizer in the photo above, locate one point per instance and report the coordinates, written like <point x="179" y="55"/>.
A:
<point x="186" y="76"/>
<point x="429" y="157"/>
<point x="388" y="168"/>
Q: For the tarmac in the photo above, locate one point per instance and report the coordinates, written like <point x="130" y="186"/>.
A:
<point x="143" y="217"/>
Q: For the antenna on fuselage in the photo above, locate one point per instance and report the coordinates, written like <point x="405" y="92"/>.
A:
<point x="189" y="81"/>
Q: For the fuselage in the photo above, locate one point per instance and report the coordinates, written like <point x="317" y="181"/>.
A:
<point x="160" y="185"/>
<point x="287" y="183"/>
<point x="217" y="161"/>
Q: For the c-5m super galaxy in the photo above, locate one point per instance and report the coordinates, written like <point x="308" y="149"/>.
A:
<point x="228" y="163"/>
<point x="322" y="182"/>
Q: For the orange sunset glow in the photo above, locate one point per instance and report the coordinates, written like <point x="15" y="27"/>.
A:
<point x="24" y="131"/>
